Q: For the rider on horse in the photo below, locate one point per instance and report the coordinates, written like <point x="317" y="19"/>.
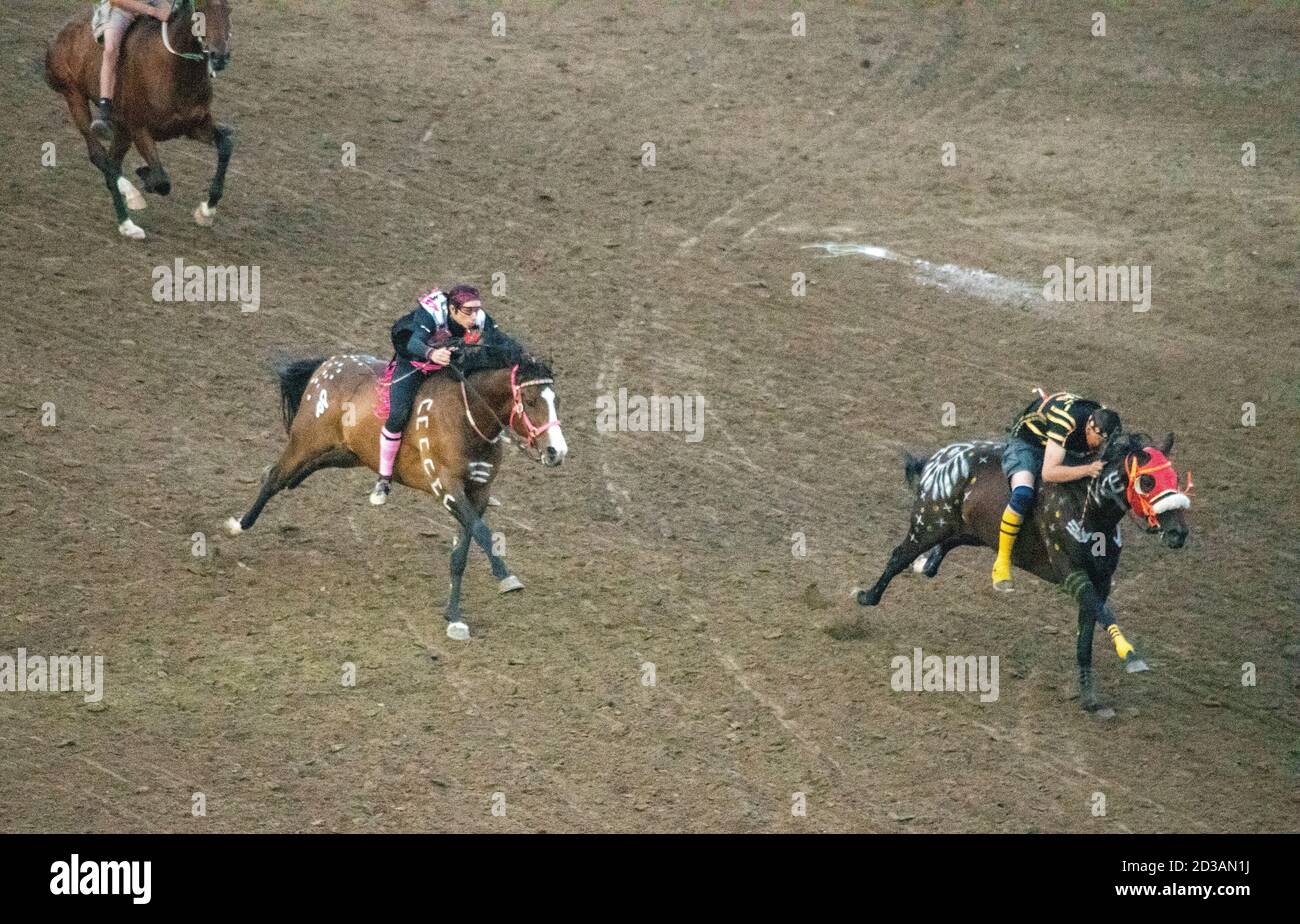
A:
<point x="423" y="341"/>
<point x="1050" y="428"/>
<point x="123" y="14"/>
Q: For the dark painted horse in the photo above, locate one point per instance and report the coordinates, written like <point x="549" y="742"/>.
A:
<point x="164" y="89"/>
<point x="452" y="446"/>
<point x="1071" y="537"/>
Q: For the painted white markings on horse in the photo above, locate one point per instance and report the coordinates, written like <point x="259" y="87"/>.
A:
<point x="947" y="276"/>
<point x="946" y="469"/>
<point x="480" y="472"/>
<point x="322" y="402"/>
<point x="427" y="463"/>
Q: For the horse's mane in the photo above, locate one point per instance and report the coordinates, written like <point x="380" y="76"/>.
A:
<point x="501" y="352"/>
<point x="1123" y="444"/>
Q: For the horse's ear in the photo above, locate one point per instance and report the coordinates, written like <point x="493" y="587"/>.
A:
<point x="1168" y="445"/>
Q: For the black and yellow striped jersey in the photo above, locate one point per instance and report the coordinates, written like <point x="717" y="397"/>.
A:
<point x="1059" y="418"/>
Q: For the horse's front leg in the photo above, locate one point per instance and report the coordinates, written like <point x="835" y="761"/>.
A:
<point x="1093" y="611"/>
<point x="506" y="580"/>
<point x="153" y="175"/>
<point x="222" y="138"/>
<point x="457" y="628"/>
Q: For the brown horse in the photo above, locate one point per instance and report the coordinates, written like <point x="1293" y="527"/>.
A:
<point x="1070" y="538"/>
<point x="451" y="448"/>
<point x="164" y="89"/>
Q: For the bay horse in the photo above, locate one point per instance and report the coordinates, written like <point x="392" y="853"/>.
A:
<point x="164" y="90"/>
<point x="451" y="448"/>
<point x="1071" y="537"/>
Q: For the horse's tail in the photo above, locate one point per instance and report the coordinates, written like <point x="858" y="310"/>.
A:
<point x="912" y="466"/>
<point x="294" y="375"/>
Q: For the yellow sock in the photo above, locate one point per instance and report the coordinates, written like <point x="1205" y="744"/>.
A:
<point x="1006" y="541"/>
<point x="1122" y="647"/>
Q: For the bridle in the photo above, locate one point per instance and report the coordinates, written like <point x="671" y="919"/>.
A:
<point x="531" y="430"/>
<point x="205" y="56"/>
<point x="1145" y="507"/>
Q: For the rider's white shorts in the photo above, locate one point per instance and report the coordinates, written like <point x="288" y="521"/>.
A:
<point x="119" y="21"/>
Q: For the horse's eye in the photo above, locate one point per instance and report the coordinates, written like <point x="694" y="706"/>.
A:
<point x="1146" y="484"/>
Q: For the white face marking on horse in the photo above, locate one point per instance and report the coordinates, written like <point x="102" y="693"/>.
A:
<point x="554" y="434"/>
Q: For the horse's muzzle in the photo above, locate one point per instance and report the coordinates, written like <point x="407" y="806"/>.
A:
<point x="1175" y="538"/>
<point x="552" y="456"/>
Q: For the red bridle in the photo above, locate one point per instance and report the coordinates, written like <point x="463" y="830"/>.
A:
<point x="531" y="431"/>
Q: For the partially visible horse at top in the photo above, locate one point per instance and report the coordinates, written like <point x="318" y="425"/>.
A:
<point x="452" y="446"/>
<point x="164" y="90"/>
<point x="1071" y="537"/>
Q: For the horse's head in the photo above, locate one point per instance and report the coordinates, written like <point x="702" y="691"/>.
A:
<point x="210" y="25"/>
<point x="534" y="410"/>
<point x="1149" y="485"/>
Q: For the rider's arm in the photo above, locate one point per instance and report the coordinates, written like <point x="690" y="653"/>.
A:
<point x="1055" y="469"/>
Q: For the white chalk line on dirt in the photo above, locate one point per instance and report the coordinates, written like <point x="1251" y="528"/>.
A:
<point x="947" y="276"/>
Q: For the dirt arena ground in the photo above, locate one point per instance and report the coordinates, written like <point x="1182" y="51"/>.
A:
<point x="522" y="155"/>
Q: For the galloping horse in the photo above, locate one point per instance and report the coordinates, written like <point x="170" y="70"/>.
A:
<point x="1071" y="537"/>
<point x="452" y="444"/>
<point x="164" y="90"/>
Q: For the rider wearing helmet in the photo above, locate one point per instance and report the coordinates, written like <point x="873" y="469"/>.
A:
<point x="423" y="341"/>
<point x="123" y="14"/>
<point x="1051" y="428"/>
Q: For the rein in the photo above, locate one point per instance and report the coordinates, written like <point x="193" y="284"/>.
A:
<point x="187" y="55"/>
<point x="516" y="409"/>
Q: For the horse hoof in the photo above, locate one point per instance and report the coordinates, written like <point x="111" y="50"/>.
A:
<point x="204" y="215"/>
<point x="233" y="526"/>
<point x="509" y="583"/>
<point x="130" y="229"/>
<point x="493" y="502"/>
<point x="1135" y="665"/>
<point x="1101" y="712"/>
<point x="457" y="631"/>
<point x="134" y="201"/>
<point x="864" y="598"/>
<point x="1005" y="586"/>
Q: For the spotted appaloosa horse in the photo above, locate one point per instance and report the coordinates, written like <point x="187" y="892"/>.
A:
<point x="1071" y="537"/>
<point x="451" y="448"/>
<point x="164" y="89"/>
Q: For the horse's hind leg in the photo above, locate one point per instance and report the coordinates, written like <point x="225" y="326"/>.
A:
<point x="292" y="468"/>
<point x="903" y="555"/>
<point x="153" y="175"/>
<point x="109" y="165"/>
<point x="222" y="138"/>
<point x="929" y="563"/>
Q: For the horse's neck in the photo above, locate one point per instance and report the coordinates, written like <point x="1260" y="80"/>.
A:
<point x="1102" y="510"/>
<point x="489" y="396"/>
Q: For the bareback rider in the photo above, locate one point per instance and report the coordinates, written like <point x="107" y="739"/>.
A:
<point x="424" y="340"/>
<point x="123" y="14"/>
<point x="1050" y="428"/>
